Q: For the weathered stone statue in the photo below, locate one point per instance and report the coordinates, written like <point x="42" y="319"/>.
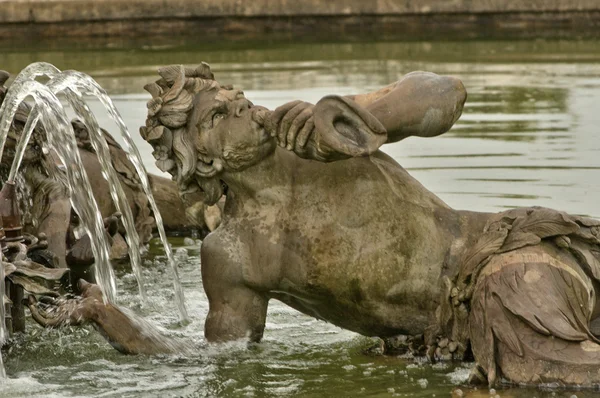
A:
<point x="338" y="230"/>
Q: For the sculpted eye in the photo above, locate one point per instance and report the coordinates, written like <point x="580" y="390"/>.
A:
<point x="217" y="117"/>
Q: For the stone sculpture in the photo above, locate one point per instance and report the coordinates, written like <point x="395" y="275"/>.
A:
<point x="49" y="209"/>
<point x="42" y="211"/>
<point x="338" y="230"/>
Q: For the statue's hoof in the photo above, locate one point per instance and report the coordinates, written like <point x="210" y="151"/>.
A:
<point x="119" y="250"/>
<point x="80" y="254"/>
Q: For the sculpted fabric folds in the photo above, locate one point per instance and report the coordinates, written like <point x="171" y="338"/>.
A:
<point x="528" y="286"/>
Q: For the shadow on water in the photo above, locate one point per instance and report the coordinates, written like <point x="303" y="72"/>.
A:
<point x="528" y="136"/>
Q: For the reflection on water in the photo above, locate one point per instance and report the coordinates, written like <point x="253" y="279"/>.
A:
<point x="529" y="136"/>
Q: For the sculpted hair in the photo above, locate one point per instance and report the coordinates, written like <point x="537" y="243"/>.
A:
<point x="169" y="131"/>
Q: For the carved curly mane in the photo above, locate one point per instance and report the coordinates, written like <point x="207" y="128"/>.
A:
<point x="168" y="131"/>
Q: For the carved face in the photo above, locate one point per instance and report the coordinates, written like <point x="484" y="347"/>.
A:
<point x="230" y="132"/>
<point x="199" y="129"/>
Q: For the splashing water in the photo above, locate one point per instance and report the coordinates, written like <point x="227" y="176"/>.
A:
<point x="73" y="84"/>
<point x="63" y="82"/>
<point x="136" y="159"/>
<point x="61" y="139"/>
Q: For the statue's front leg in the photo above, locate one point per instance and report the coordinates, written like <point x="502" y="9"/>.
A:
<point x="236" y="311"/>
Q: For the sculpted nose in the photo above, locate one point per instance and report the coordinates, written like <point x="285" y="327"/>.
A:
<point x="241" y="106"/>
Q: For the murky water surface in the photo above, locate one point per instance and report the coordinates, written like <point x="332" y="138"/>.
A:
<point x="529" y="135"/>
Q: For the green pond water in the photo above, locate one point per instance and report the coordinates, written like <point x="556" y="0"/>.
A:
<point x="529" y="135"/>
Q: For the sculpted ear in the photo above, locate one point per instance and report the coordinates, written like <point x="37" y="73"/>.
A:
<point x="344" y="129"/>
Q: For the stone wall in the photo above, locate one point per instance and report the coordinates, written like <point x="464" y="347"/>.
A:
<point x="142" y="17"/>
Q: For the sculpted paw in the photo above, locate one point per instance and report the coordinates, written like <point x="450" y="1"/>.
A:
<point x="58" y="312"/>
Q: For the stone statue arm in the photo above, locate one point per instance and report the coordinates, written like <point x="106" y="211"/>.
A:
<point x="421" y="104"/>
<point x="235" y="310"/>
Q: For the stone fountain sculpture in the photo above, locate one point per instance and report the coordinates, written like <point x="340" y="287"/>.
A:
<point x="49" y="256"/>
<point x="318" y="218"/>
<point x="49" y="209"/>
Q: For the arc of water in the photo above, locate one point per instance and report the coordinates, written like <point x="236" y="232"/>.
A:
<point x="30" y="72"/>
<point x="93" y="88"/>
<point x="136" y="159"/>
<point x="62" y="82"/>
<point x="63" y="142"/>
<point x="118" y="195"/>
<point x="90" y="86"/>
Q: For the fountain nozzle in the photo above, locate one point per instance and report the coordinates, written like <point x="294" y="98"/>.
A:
<point x="10" y="214"/>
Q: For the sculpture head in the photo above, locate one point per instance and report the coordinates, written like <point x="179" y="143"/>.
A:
<point x="200" y="129"/>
